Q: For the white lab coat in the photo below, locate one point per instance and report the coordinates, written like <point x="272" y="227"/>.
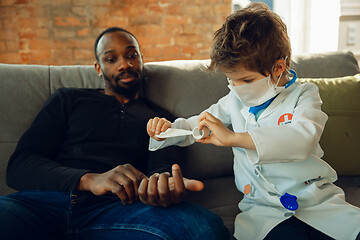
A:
<point x="288" y="156"/>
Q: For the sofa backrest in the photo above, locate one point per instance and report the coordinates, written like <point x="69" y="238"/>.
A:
<point x="181" y="87"/>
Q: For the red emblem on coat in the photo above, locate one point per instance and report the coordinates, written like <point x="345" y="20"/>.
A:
<point x="285" y="119"/>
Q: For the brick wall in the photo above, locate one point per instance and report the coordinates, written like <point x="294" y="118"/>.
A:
<point x="62" y="32"/>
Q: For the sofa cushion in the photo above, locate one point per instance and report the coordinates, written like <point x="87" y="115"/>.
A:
<point x="341" y="137"/>
<point x="325" y="65"/>
<point x="23" y="91"/>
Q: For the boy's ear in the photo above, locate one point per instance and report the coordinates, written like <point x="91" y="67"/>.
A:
<point x="280" y="67"/>
<point x="98" y="68"/>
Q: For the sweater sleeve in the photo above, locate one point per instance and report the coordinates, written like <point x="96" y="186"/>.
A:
<point x="32" y="166"/>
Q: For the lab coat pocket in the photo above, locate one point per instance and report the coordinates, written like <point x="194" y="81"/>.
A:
<point x="316" y="193"/>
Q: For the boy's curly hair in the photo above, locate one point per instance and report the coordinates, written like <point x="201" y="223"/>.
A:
<point x="254" y="37"/>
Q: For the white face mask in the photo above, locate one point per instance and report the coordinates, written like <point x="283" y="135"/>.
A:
<point x="256" y="93"/>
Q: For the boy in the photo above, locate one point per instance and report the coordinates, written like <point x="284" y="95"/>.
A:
<point x="288" y="189"/>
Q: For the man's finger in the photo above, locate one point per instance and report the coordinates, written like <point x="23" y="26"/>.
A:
<point x="193" y="185"/>
<point x="179" y="186"/>
<point x="143" y="190"/>
<point x="128" y="186"/>
<point x="119" y="191"/>
<point x="135" y="175"/>
<point x="163" y="189"/>
<point x="152" y="191"/>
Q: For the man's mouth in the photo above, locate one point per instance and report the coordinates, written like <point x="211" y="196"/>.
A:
<point x="127" y="79"/>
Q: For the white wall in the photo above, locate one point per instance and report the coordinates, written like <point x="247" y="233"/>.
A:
<point x="349" y="27"/>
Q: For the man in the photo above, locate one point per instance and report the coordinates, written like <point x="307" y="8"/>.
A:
<point x="81" y="167"/>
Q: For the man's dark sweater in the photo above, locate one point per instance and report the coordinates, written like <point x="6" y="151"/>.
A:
<point x="79" y="131"/>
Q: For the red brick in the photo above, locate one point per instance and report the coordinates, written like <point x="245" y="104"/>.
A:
<point x="25" y="45"/>
<point x="176" y="20"/>
<point x="60" y="44"/>
<point x="7" y="2"/>
<point x="43" y="22"/>
<point x="8" y="35"/>
<point x="12" y="46"/>
<point x="27" y="23"/>
<point x="175" y="9"/>
<point x="40" y="44"/>
<point x="60" y="55"/>
<point x="81" y="11"/>
<point x="83" y="54"/>
<point x="143" y="20"/>
<point x="22" y="2"/>
<point x="111" y="22"/>
<point x="156" y="8"/>
<point x="2" y="46"/>
<point x="100" y="2"/>
<point x="10" y="58"/>
<point x="191" y="29"/>
<point x="43" y="33"/>
<point x="50" y="32"/>
<point x="172" y="51"/>
<point x="71" y="21"/>
<point x="136" y="10"/>
<point x="83" y="32"/>
<point x="221" y="9"/>
<point x="10" y="23"/>
<point x="174" y="30"/>
<point x="193" y="10"/>
<point x="155" y="30"/>
<point x="185" y="40"/>
<point x="7" y="12"/>
<point x="60" y="2"/>
<point x="189" y="50"/>
<point x="152" y="51"/>
<point x="154" y="40"/>
<point x="38" y="56"/>
<point x="80" y="43"/>
<point x="64" y="33"/>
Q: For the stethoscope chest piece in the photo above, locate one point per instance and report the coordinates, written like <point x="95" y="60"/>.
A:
<point x="289" y="201"/>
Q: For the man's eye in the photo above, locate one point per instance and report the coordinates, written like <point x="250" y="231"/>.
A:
<point x="248" y="81"/>
<point x="133" y="55"/>
<point x="110" y="60"/>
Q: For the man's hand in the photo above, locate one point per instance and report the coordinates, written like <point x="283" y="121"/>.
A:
<point x="123" y="181"/>
<point x="163" y="190"/>
<point x="156" y="126"/>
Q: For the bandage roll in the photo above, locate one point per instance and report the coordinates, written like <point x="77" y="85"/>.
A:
<point x="174" y="132"/>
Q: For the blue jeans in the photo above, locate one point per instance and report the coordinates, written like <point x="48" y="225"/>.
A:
<point x="82" y="215"/>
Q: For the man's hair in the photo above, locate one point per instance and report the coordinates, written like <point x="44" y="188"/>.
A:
<point x="109" y="30"/>
<point x="254" y="37"/>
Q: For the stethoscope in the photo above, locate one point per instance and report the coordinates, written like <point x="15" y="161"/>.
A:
<point x="289" y="201"/>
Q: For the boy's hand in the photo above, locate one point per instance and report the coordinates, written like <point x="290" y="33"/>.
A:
<point x="156" y="126"/>
<point x="220" y="134"/>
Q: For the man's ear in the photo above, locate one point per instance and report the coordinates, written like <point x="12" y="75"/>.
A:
<point x="98" y="68"/>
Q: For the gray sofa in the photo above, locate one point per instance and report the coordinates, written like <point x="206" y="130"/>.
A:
<point x="184" y="89"/>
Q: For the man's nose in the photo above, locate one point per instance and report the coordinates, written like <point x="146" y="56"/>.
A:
<point x="124" y="64"/>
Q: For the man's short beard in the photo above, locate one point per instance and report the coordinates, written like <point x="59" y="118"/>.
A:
<point x="129" y="91"/>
